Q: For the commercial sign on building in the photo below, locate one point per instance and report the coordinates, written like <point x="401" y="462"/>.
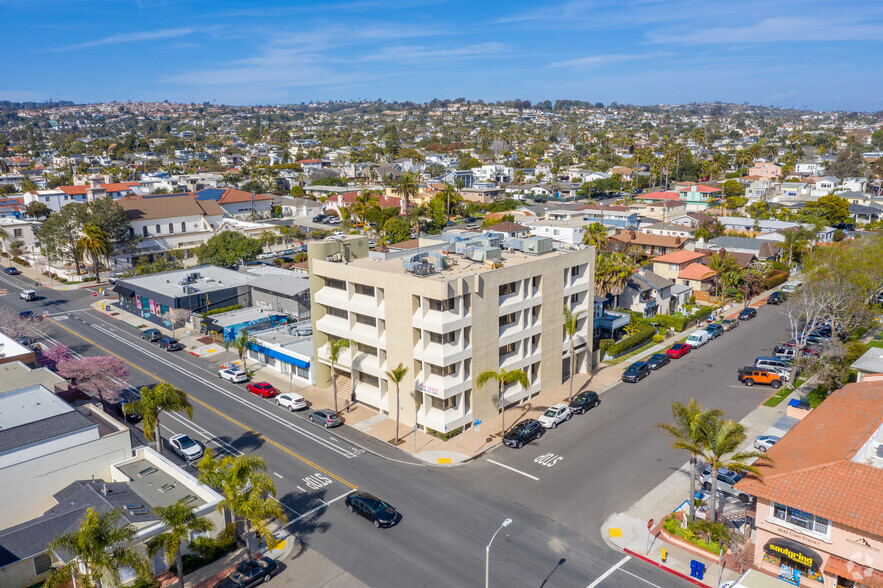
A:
<point x="431" y="390"/>
<point x="794" y="551"/>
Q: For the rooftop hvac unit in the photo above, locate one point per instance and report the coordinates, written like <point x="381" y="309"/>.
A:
<point x="482" y="254"/>
<point x="537" y="245"/>
<point x="422" y="269"/>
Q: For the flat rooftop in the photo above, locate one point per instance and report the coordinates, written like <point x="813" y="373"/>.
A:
<point x="212" y="278"/>
<point x="155" y="487"/>
<point x="286" y="338"/>
<point x="15" y="375"/>
<point x="30" y="404"/>
<point x="242" y="315"/>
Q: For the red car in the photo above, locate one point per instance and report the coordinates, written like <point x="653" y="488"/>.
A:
<point x="678" y="350"/>
<point x="263" y="389"/>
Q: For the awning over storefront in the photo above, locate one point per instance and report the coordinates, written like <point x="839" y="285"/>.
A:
<point x="796" y="552"/>
<point x="123" y="291"/>
<point x="860" y="574"/>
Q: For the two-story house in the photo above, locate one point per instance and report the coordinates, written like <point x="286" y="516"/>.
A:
<point x="765" y="169"/>
<point x="650" y="244"/>
<point x="670" y="265"/>
<point x="648" y="293"/>
<point x="670" y="229"/>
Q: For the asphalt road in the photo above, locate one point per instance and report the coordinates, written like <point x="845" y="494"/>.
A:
<point x="610" y="457"/>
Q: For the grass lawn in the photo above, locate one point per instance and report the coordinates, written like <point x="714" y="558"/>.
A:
<point x="779" y="396"/>
<point x="875" y="343"/>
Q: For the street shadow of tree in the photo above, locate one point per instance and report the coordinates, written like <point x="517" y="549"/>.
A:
<point x="310" y="506"/>
<point x="246" y="442"/>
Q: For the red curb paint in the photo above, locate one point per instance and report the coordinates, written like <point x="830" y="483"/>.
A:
<point x="193" y="354"/>
<point x="667" y="569"/>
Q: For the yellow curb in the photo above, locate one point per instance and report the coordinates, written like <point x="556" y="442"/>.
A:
<point x="615" y="532"/>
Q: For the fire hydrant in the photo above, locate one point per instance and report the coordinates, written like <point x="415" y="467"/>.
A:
<point x="664" y="554"/>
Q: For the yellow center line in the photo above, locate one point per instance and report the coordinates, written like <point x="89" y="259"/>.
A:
<point x="211" y="408"/>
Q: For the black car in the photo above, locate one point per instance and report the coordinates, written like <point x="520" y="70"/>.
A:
<point x="249" y="573"/>
<point x="151" y="335"/>
<point x="470" y="219"/>
<point x="776" y="297"/>
<point x="747" y="313"/>
<point x="30" y="315"/>
<point x="12" y="271"/>
<point x="319" y="218"/>
<point x="125" y="399"/>
<point x="169" y="344"/>
<point x="584" y="401"/>
<point x="372" y="508"/>
<point x="657" y="360"/>
<point x="636" y="372"/>
<point x="524" y="432"/>
<point x="284" y="259"/>
<point x="714" y="330"/>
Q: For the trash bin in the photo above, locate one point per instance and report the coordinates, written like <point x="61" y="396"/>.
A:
<point x="697" y="569"/>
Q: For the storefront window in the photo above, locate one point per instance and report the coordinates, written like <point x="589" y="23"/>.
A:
<point x="801" y="519"/>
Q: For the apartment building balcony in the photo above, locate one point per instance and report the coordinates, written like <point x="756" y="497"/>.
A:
<point x="517" y="331"/>
<point x="610" y="321"/>
<point x="441" y="321"/>
<point x="333" y="325"/>
<point x="366" y="305"/>
<point x="442" y="354"/>
<point x="443" y="420"/>
<point x="332" y="297"/>
<point x="344" y="360"/>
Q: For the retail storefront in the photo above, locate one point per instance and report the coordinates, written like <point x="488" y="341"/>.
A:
<point x="793" y="560"/>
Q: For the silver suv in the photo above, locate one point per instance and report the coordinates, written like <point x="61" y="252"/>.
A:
<point x="726" y="479"/>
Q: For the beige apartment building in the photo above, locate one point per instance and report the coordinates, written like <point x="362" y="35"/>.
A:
<point x="448" y="310"/>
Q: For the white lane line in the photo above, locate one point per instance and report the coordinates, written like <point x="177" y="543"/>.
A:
<point x="299" y="488"/>
<point x="323" y="505"/>
<point x="608" y="572"/>
<point x="640" y="578"/>
<point x="277" y="475"/>
<point x="502" y="465"/>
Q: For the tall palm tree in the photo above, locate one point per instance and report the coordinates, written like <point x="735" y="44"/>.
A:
<point x="396" y="376"/>
<point x="612" y="274"/>
<point x="449" y="194"/>
<point x="724" y="265"/>
<point x="249" y="492"/>
<point x="795" y="242"/>
<point x="96" y="243"/>
<point x="362" y="203"/>
<point x="407" y="187"/>
<point x="153" y="401"/>
<point x="179" y="521"/>
<point x="241" y="344"/>
<point x="570" y="320"/>
<point x="596" y="236"/>
<point x="99" y="551"/>
<point x="417" y="214"/>
<point x="335" y="347"/>
<point x="503" y="378"/>
<point x="687" y="432"/>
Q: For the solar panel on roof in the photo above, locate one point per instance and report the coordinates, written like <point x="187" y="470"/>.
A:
<point x="209" y="194"/>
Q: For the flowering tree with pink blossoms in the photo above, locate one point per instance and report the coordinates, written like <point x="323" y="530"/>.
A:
<point x="55" y="354"/>
<point x="104" y="375"/>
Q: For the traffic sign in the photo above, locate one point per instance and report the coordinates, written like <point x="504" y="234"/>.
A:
<point x="476" y="422"/>
<point x="650" y="524"/>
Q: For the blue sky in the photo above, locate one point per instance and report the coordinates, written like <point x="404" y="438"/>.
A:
<point x="822" y="54"/>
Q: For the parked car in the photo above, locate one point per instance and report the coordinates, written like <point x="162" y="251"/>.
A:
<point x="151" y="335"/>
<point x="636" y="372"/>
<point x="729" y="324"/>
<point x="523" y="432"/>
<point x="30" y="315"/>
<point x="126" y="398"/>
<point x="776" y="297"/>
<point x="776" y="362"/>
<point x="233" y="374"/>
<point x="678" y="350"/>
<point x="291" y="401"/>
<point x="584" y="401"/>
<point x="287" y="252"/>
<point x="28" y="295"/>
<point x="186" y="447"/>
<point x="751" y="375"/>
<point x="372" y="508"/>
<point x="764" y="442"/>
<point x="319" y="218"/>
<point x="326" y="417"/>
<point x="266" y="255"/>
<point x="784" y="352"/>
<point x="470" y="219"/>
<point x="747" y="313"/>
<point x="698" y="338"/>
<point x="250" y="573"/>
<point x="714" y="330"/>
<point x="12" y="271"/>
<point x="657" y="360"/>
<point x="726" y="479"/>
<point x="555" y="414"/>
<point x="284" y="259"/>
<point x="169" y="344"/>
<point x="262" y="389"/>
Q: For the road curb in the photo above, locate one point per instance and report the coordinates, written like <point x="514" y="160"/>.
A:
<point x="666" y="568"/>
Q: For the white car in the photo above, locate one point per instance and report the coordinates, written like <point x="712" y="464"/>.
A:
<point x="557" y="413"/>
<point x="267" y="255"/>
<point x="234" y="375"/>
<point x="291" y="401"/>
<point x="763" y="442"/>
<point x="186" y="447"/>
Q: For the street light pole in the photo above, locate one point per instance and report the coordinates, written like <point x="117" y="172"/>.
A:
<point x="487" y="554"/>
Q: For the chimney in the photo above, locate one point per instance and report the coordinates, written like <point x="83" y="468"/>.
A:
<point x="678" y="240"/>
<point x="632" y="235"/>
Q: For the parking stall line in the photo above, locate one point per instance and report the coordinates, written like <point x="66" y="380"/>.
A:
<point x="502" y="465"/>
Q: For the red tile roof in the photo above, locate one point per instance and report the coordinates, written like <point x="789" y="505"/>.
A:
<point x="230" y="196"/>
<point x="682" y="256"/>
<point x="117" y="187"/>
<point x="348" y="198"/>
<point x="696" y="271"/>
<point x="659" y="196"/>
<point x="700" y="188"/>
<point x="813" y="468"/>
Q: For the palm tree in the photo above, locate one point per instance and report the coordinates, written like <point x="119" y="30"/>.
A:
<point x="249" y="492"/>
<point x="96" y="243"/>
<point x="396" y="376"/>
<point x="241" y="344"/>
<point x="795" y="242"/>
<point x="724" y="265"/>
<point x="596" y="236"/>
<point x="503" y="378"/>
<point x="407" y="187"/>
<point x="687" y="431"/>
<point x="417" y="214"/>
<point x="180" y="522"/>
<point x="153" y="401"/>
<point x="612" y="273"/>
<point x="570" y="320"/>
<point x="99" y="551"/>
<point x="449" y="193"/>
<point x="362" y="203"/>
<point x="335" y="347"/>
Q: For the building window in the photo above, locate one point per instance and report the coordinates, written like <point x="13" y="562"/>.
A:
<point x="801" y="519"/>
<point x="442" y="339"/>
<point x="507" y="319"/>
<point x="337" y="312"/>
<point x="441" y="305"/>
<point x="507" y="289"/>
<point x="574" y="271"/>
<point x="183" y="227"/>
<point x="17" y="233"/>
<point x="171" y="228"/>
<point x="366" y="320"/>
<point x="302" y="372"/>
<point x="158" y="230"/>
<point x="444" y="403"/>
<point x="336" y="284"/>
<point x="364" y="290"/>
<point x="507" y="349"/>
<point x="437" y="370"/>
<point x="536" y="282"/>
<point x="369" y="379"/>
<point x="144" y="231"/>
<point x="42" y="564"/>
<point x="367" y="349"/>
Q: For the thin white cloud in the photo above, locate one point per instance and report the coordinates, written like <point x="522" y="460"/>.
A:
<point x="135" y="37"/>
<point x="774" y="30"/>
<point x="595" y="61"/>
<point x="417" y="53"/>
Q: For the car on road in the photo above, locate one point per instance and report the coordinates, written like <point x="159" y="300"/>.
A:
<point x="726" y="479"/>
<point x="291" y="401"/>
<point x="284" y="259"/>
<point x="233" y="374"/>
<point x="678" y="350"/>
<point x="763" y="442"/>
<point x="319" y="218"/>
<point x="266" y="255"/>
<point x="287" y="252"/>
<point x="28" y="295"/>
<point x="12" y="271"/>
<point x="169" y="344"/>
<point x="747" y="314"/>
<point x="326" y="417"/>
<point x="657" y="360"/>
<point x="470" y="219"/>
<point x="751" y="375"/>
<point x="636" y="372"/>
<point x="729" y="324"/>
<point x="714" y="330"/>
<point x="555" y="414"/>
<point x="372" y="508"/>
<point x="126" y="398"/>
<point x="30" y="315"/>
<point x="698" y="338"/>
<point x="584" y="401"/>
<point x="152" y="335"/>
<point x="250" y="573"/>
<point x="776" y="297"/>
<point x="186" y="447"/>
<point x="522" y="433"/>
<point x="262" y="389"/>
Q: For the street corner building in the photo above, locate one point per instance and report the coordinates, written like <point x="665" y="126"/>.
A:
<point x="448" y="308"/>
<point x="820" y="503"/>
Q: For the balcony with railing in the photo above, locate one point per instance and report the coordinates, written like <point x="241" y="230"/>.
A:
<point x="610" y="321"/>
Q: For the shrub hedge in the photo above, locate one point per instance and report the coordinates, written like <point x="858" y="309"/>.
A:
<point x="775" y="278"/>
<point x="641" y="335"/>
<point x="679" y="323"/>
<point x="225" y="309"/>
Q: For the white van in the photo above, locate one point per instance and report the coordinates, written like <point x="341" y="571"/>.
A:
<point x="28" y="295"/>
<point x="698" y="338"/>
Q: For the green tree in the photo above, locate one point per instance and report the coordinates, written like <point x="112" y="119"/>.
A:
<point x="98" y="550"/>
<point x="28" y="185"/>
<point x="60" y="232"/>
<point x="407" y="187"/>
<point x="612" y="273"/>
<point x="227" y="249"/>
<point x="362" y="203"/>
<point x="396" y="376"/>
<point x="831" y="209"/>
<point x="112" y="219"/>
<point x="733" y="188"/>
<point x="596" y="236"/>
<point x="570" y="324"/>
<point x="396" y="230"/>
<point x="95" y="243"/>
<point x="724" y="265"/>
<point x="688" y="432"/>
<point x="795" y="243"/>
<point x="335" y="348"/>
<point x="241" y="344"/>
<point x="503" y="378"/>
<point x="877" y="139"/>
<point x="37" y="210"/>
<point x="180" y="522"/>
<point x="162" y="397"/>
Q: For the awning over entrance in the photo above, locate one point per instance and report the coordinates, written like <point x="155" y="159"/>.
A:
<point x="123" y="291"/>
<point x="864" y="575"/>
